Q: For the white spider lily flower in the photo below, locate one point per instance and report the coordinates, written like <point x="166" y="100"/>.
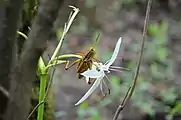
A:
<point x="98" y="72"/>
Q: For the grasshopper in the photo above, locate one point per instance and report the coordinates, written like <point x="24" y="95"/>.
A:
<point x="85" y="62"/>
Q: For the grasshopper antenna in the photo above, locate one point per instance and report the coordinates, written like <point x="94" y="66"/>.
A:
<point x="96" y="40"/>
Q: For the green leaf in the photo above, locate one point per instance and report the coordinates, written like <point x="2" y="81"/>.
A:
<point x="84" y="105"/>
<point x="82" y="110"/>
<point x="162" y="36"/>
<point x="153" y="30"/>
<point x="176" y="109"/>
<point x="162" y="53"/>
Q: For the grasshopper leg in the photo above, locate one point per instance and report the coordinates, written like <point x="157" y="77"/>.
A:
<point x="67" y="66"/>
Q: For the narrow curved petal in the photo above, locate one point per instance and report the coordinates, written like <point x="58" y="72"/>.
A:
<point x="115" y="53"/>
<point x="89" y="92"/>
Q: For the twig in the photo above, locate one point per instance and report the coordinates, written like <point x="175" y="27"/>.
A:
<point x="51" y="78"/>
<point x="36" y="107"/>
<point x="4" y="91"/>
<point x="131" y="88"/>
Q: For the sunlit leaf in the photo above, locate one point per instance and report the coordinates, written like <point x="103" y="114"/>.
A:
<point x="153" y="30"/>
<point x="162" y="53"/>
<point x="84" y="105"/>
<point x="176" y="109"/>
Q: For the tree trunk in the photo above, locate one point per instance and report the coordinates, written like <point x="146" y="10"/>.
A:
<point x="9" y="16"/>
<point x="25" y="71"/>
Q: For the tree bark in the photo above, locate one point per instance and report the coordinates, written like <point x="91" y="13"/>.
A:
<point x="9" y="16"/>
<point x="25" y="71"/>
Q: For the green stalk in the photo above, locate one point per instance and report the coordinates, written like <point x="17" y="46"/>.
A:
<point x="64" y="57"/>
<point x="55" y="63"/>
<point x="43" y="80"/>
<point x="66" y="29"/>
<point x="44" y="70"/>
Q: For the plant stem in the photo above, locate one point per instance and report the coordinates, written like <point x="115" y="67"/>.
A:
<point x="43" y="80"/>
<point x="66" y="29"/>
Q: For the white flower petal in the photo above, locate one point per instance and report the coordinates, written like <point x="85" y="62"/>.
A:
<point x="92" y="73"/>
<point x="89" y="92"/>
<point x="115" y="53"/>
<point x="87" y="79"/>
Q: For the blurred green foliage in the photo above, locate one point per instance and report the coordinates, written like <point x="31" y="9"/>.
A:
<point x="157" y="69"/>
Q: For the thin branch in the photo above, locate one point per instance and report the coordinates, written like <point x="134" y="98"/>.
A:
<point x="51" y="78"/>
<point x="4" y="91"/>
<point x="131" y="89"/>
<point x="36" y="107"/>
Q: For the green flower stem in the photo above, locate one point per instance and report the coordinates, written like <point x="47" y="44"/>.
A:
<point x="43" y="80"/>
<point x="66" y="29"/>
<point x="55" y="63"/>
<point x="46" y="69"/>
<point x="63" y="57"/>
